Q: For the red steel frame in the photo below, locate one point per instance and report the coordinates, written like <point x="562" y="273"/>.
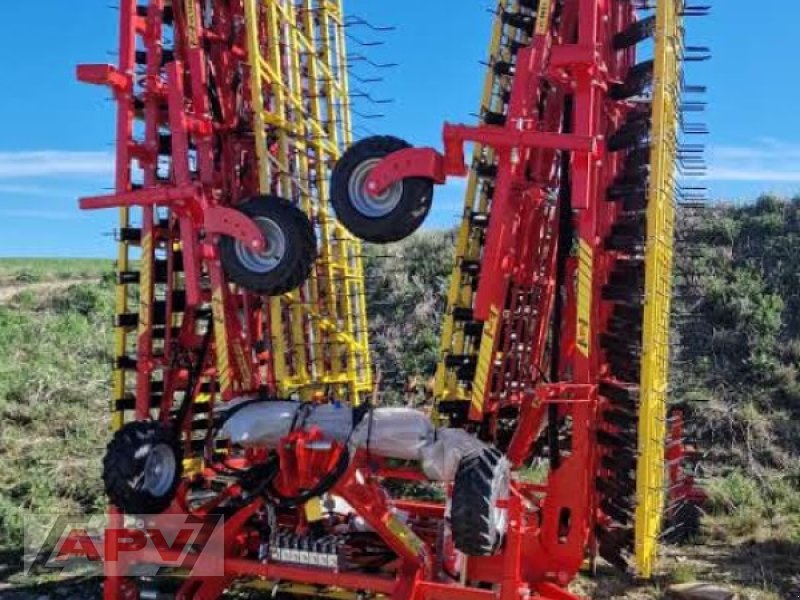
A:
<point x="552" y="525"/>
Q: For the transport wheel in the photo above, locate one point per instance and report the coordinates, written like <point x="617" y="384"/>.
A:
<point x="142" y="468"/>
<point x="478" y="525"/>
<point x="388" y="217"/>
<point x="290" y="253"/>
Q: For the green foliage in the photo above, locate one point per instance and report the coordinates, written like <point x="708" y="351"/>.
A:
<point x="406" y="297"/>
<point x="738" y="342"/>
<point x="54" y="375"/>
<point x="34" y="270"/>
<point x="734" y="492"/>
<point x="737" y="358"/>
<point x="683" y="573"/>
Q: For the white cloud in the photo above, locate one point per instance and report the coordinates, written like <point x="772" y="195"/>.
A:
<point x="48" y="163"/>
<point x="767" y="160"/>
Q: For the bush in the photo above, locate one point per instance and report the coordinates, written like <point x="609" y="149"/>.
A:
<point x="734" y="493"/>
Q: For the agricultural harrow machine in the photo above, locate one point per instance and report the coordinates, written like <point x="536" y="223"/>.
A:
<point x="242" y="380"/>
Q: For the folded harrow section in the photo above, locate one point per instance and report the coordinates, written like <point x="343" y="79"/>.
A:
<point x="555" y="341"/>
<point x="461" y="358"/>
<point x="301" y="110"/>
<point x="241" y="350"/>
<point x="230" y="116"/>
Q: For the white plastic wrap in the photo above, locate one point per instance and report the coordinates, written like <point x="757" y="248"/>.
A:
<point x="263" y="424"/>
<point x="399" y="433"/>
<point x="440" y="459"/>
<point x="334" y="420"/>
<point x="260" y="424"/>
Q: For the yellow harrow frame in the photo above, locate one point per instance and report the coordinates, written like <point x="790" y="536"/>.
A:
<point x="300" y="95"/>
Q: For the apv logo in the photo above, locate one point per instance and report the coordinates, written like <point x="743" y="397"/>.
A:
<point x="143" y="547"/>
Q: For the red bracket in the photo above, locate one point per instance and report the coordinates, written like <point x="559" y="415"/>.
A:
<point x="104" y="75"/>
<point x="430" y="164"/>
<point x="411" y="162"/>
<point x="230" y="222"/>
<point x="177" y="197"/>
<point x="565" y="393"/>
<point x="507" y="138"/>
<point x="186" y="201"/>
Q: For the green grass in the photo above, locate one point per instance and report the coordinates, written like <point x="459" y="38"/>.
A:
<point x="54" y="390"/>
<point x="746" y="506"/>
<point x="34" y="270"/>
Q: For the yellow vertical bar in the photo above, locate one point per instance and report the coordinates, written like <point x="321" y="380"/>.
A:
<point x="446" y="386"/>
<point x="120" y="334"/>
<point x="322" y="339"/>
<point x="336" y="113"/>
<point x="299" y="166"/>
<point x="279" y="104"/>
<point x="650" y="479"/>
<point x="278" y="108"/>
<point x="353" y="302"/>
<point x="257" y="92"/>
<point x="302" y="67"/>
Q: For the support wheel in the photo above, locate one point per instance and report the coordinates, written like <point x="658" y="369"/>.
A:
<point x="290" y="253"/>
<point x="142" y="468"/>
<point x="387" y="217"/>
<point x="478" y="524"/>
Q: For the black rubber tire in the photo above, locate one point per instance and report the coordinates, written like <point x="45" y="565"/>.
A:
<point x="478" y="525"/>
<point x="404" y="219"/>
<point x="124" y="463"/>
<point x="298" y="259"/>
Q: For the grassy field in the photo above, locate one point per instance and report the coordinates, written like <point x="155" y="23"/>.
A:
<point x="32" y="270"/>
<point x="55" y="362"/>
<point x="55" y="359"/>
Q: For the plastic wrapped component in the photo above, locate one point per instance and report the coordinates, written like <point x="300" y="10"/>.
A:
<point x="440" y="459"/>
<point x="263" y="424"/>
<point x="259" y="424"/>
<point x="334" y="420"/>
<point x="399" y="433"/>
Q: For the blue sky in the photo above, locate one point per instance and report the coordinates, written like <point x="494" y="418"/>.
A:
<point x="57" y="135"/>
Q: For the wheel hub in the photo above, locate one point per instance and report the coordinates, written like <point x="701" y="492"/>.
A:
<point x="373" y="206"/>
<point x="273" y="253"/>
<point x="159" y="470"/>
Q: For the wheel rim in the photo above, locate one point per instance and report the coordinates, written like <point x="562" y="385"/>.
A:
<point x="370" y="205"/>
<point x="500" y="515"/>
<point x="159" y="470"/>
<point x="268" y="259"/>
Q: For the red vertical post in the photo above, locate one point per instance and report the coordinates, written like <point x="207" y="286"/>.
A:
<point x="152" y="36"/>
<point x="112" y="587"/>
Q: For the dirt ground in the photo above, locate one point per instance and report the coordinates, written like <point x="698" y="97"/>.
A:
<point x="755" y="571"/>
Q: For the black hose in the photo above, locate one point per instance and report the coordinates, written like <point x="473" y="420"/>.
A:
<point x="195" y="372"/>
<point x="565" y="243"/>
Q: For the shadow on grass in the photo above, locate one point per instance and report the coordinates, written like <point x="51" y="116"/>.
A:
<point x="16" y="585"/>
<point x="771" y="564"/>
